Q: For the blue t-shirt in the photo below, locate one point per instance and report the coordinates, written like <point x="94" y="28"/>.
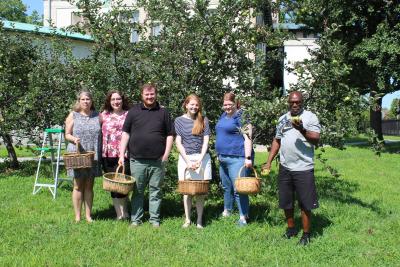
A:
<point x="229" y="140"/>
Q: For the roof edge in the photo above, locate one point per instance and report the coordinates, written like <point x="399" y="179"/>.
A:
<point x="26" y="27"/>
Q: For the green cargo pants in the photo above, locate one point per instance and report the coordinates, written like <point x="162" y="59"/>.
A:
<point x="147" y="171"/>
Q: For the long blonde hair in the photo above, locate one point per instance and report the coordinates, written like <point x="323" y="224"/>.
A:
<point x="198" y="125"/>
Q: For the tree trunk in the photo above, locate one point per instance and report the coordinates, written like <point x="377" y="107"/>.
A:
<point x="10" y="149"/>
<point x="376" y="118"/>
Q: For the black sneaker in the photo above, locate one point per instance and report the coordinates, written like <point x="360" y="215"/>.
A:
<point x="305" y="239"/>
<point x="290" y="232"/>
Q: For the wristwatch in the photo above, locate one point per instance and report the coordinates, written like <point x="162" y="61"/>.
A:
<point x="249" y="158"/>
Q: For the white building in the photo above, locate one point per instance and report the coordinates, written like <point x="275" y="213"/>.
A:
<point x="61" y="14"/>
<point x="296" y="50"/>
<point x="79" y="43"/>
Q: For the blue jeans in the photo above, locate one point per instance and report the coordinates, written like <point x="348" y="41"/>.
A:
<point x="229" y="167"/>
<point x="149" y="172"/>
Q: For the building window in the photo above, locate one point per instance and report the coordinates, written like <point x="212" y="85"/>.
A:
<point x="260" y="20"/>
<point x="156" y="30"/>
<point x="134" y="33"/>
<point x="211" y="11"/>
<point x="77" y="18"/>
<point x="134" y="36"/>
<point x="262" y="47"/>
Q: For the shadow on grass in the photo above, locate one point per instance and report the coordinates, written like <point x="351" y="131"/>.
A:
<point x="318" y="223"/>
<point x="105" y="214"/>
<point x="392" y="148"/>
<point x="171" y="206"/>
<point x="27" y="168"/>
<point x="389" y="147"/>
<point x="340" y="190"/>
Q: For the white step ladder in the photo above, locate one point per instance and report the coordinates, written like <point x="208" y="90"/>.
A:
<point x="48" y="146"/>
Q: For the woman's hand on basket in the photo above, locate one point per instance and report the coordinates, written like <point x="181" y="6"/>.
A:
<point x="198" y="163"/>
<point x="248" y="163"/>
<point x="121" y="160"/>
<point x="192" y="165"/>
<point x="76" y="140"/>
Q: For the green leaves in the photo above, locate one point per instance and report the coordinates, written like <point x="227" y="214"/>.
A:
<point x="38" y="82"/>
<point x="191" y="47"/>
<point x="368" y="33"/>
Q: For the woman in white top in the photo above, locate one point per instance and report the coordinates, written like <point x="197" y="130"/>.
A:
<point x="192" y="136"/>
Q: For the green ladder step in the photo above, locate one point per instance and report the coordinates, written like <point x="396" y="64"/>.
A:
<point x="46" y="149"/>
<point x="54" y="130"/>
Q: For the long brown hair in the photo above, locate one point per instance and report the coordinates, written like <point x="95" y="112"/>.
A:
<point x="229" y="96"/>
<point x="198" y="125"/>
<point x="107" y="102"/>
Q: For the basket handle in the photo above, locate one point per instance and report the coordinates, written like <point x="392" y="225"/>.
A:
<point x="254" y="170"/>
<point x="78" y="144"/>
<point x="201" y="173"/>
<point x="116" y="171"/>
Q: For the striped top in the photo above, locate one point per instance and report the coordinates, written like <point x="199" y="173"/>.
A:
<point x="191" y="143"/>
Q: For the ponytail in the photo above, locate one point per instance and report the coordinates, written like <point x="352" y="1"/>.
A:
<point x="198" y="125"/>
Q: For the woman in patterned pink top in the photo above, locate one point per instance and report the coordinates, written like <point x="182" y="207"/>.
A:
<point x="112" y="118"/>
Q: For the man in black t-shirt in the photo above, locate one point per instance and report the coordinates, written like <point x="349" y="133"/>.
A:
<point x="149" y="130"/>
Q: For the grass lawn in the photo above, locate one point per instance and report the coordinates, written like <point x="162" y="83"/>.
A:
<point x="391" y="137"/>
<point x="357" y="224"/>
<point x="23" y="151"/>
<point x="364" y="138"/>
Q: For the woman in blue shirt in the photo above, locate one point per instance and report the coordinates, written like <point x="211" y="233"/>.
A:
<point x="234" y="149"/>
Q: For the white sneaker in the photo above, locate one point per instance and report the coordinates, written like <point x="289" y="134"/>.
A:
<point x="186" y="224"/>
<point x="226" y="213"/>
<point x="199" y="226"/>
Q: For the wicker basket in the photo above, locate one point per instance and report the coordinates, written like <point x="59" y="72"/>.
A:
<point x="78" y="160"/>
<point x="118" y="182"/>
<point x="248" y="185"/>
<point x="193" y="187"/>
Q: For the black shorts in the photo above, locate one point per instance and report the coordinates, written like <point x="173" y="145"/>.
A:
<point x="300" y="182"/>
